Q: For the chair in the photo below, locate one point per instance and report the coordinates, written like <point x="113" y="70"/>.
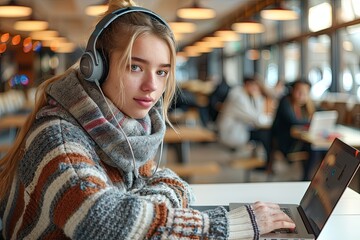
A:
<point x="249" y="161"/>
<point x="354" y="116"/>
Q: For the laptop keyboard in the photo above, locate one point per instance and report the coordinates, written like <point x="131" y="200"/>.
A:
<point x="286" y="230"/>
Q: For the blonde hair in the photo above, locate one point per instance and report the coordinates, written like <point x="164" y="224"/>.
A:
<point x="118" y="36"/>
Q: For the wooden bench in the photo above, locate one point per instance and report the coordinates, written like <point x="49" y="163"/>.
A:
<point x="247" y="165"/>
<point x="189" y="170"/>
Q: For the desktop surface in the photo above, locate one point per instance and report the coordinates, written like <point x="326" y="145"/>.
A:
<point x="343" y="224"/>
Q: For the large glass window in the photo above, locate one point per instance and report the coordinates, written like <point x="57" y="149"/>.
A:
<point x="292" y="61"/>
<point x="320" y="15"/>
<point x="271" y="33"/>
<point x="319" y="70"/>
<point x="270" y="58"/>
<point x="231" y="70"/>
<point x="292" y="28"/>
<point x="350" y="67"/>
<point x="349" y="10"/>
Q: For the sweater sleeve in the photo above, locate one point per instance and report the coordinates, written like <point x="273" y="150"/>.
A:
<point x="86" y="207"/>
<point x="67" y="193"/>
<point x="166" y="186"/>
<point x="242" y="223"/>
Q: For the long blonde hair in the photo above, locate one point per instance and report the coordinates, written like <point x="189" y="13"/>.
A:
<point x="118" y="36"/>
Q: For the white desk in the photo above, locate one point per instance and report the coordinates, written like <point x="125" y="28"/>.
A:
<point x="343" y="224"/>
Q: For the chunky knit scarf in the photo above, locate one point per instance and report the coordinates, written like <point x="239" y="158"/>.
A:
<point x="81" y="102"/>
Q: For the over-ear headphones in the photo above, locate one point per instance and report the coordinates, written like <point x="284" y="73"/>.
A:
<point x="93" y="63"/>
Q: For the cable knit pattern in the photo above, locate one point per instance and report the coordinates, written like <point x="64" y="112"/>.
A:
<point x="75" y="181"/>
<point x="239" y="225"/>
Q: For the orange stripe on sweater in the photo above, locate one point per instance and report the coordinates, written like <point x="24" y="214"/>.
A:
<point x="18" y="210"/>
<point x="145" y="170"/>
<point x="73" y="198"/>
<point x="112" y="172"/>
<point x="33" y="208"/>
<point x="159" y="221"/>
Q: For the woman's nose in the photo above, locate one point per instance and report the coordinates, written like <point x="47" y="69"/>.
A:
<point x="149" y="82"/>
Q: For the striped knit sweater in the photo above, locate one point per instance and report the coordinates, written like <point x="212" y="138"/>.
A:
<point x="68" y="186"/>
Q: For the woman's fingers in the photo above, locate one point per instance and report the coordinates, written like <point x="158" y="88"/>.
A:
<point x="269" y="217"/>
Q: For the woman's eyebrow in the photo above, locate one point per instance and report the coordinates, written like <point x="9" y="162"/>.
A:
<point x="167" y="65"/>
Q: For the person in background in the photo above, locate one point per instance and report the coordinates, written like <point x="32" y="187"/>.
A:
<point x="83" y="166"/>
<point x="244" y="118"/>
<point x="294" y="109"/>
<point x="217" y="98"/>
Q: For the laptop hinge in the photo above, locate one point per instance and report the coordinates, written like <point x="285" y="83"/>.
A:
<point x="306" y="222"/>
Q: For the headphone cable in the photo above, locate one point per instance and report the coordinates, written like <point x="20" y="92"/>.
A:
<point x="136" y="173"/>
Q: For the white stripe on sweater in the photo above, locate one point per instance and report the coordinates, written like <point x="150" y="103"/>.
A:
<point x="52" y="190"/>
<point x="39" y="129"/>
<point x="80" y="214"/>
<point x="142" y="224"/>
<point x="48" y="157"/>
<point x="71" y="147"/>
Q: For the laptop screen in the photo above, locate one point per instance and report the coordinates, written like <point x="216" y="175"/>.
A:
<point x="322" y="122"/>
<point x="329" y="182"/>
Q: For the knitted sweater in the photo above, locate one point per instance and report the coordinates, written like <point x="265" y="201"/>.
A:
<point x="69" y="184"/>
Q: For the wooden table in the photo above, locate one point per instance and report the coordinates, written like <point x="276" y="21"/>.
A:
<point x="349" y="135"/>
<point x="183" y="135"/>
<point x="13" y="121"/>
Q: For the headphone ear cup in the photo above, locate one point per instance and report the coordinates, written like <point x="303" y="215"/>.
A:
<point x="88" y="68"/>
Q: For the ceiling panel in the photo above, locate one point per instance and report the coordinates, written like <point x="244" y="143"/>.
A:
<point x="68" y="17"/>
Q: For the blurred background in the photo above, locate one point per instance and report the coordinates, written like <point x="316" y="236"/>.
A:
<point x="276" y="41"/>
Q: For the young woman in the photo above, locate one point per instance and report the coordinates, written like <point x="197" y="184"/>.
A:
<point x="83" y="166"/>
<point x="294" y="109"/>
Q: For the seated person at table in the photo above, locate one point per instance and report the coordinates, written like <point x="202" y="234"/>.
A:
<point x="83" y="166"/>
<point x="295" y="108"/>
<point x="243" y="117"/>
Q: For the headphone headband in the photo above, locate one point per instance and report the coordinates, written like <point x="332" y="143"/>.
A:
<point x="91" y="60"/>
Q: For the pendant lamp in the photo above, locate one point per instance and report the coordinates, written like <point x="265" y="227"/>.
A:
<point x="279" y="13"/>
<point x="13" y="10"/>
<point x="97" y="10"/>
<point x="196" y="12"/>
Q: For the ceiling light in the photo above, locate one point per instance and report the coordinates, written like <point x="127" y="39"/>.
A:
<point x="31" y="25"/>
<point x="248" y="27"/>
<point x="182" y="27"/>
<point x="227" y="35"/>
<point x="192" y="51"/>
<point x="212" y="42"/>
<point x="96" y="10"/>
<point x="13" y="10"/>
<point x="196" y="12"/>
<point x="53" y="40"/>
<point x="279" y="13"/>
<point x="46" y="35"/>
<point x="253" y="54"/>
<point x="64" y="47"/>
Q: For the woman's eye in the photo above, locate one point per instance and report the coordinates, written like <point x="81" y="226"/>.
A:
<point x="162" y="73"/>
<point x="135" y="68"/>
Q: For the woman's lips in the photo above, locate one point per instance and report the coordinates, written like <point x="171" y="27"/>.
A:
<point x="144" y="102"/>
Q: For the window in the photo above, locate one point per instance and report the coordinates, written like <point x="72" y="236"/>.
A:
<point x="319" y="71"/>
<point x="350" y="70"/>
<point x="320" y="15"/>
<point x="292" y="61"/>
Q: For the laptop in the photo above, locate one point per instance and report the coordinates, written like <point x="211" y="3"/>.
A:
<point x="334" y="174"/>
<point x="323" y="123"/>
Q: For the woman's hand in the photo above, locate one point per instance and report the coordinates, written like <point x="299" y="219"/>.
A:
<point x="269" y="217"/>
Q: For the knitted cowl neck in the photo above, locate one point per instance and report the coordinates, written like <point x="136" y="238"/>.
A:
<point x="73" y="98"/>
